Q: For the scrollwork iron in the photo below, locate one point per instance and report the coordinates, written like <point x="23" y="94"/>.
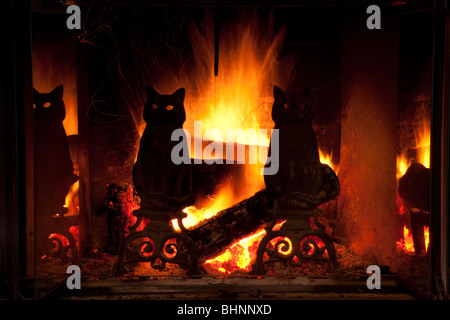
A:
<point x="159" y="244"/>
<point x="296" y="239"/>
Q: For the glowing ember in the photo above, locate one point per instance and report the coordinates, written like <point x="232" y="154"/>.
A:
<point x="240" y="255"/>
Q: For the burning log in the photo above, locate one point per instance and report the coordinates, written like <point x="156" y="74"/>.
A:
<point x="214" y="235"/>
<point x="414" y="188"/>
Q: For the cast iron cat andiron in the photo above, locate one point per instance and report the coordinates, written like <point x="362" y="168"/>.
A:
<point x="300" y="185"/>
<point x="165" y="189"/>
<point x="299" y="180"/>
<point x="53" y="165"/>
<point x="159" y="182"/>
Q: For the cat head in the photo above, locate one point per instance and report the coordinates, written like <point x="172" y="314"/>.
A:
<point x="288" y="109"/>
<point x="48" y="100"/>
<point x="164" y="109"/>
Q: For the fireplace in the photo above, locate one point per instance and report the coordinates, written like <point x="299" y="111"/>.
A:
<point x="352" y="120"/>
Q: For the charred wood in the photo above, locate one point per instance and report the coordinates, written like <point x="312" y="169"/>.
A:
<point x="215" y="234"/>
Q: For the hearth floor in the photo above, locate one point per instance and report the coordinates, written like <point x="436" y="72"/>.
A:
<point x="210" y="288"/>
<point x="141" y="282"/>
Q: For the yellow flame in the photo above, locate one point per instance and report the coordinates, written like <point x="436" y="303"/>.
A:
<point x="241" y="253"/>
<point x="426" y="234"/>
<point x="326" y="158"/>
<point x="422" y="137"/>
<point x="422" y="144"/>
<point x="408" y="240"/>
<point x="402" y="165"/>
<point x="73" y="191"/>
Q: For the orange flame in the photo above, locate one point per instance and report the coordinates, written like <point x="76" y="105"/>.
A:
<point x="240" y="255"/>
<point x="407" y="243"/>
<point x="426" y="234"/>
<point x="71" y="202"/>
<point x="326" y="158"/>
<point x="422" y="137"/>
<point x="422" y="145"/>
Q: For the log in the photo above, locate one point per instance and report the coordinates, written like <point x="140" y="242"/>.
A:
<point x="214" y="235"/>
<point x="414" y="187"/>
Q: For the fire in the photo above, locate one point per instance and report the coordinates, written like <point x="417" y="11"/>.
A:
<point x="402" y="165"/>
<point x="71" y="202"/>
<point x="426" y="234"/>
<point x="224" y="199"/>
<point x="240" y="95"/>
<point x="406" y="243"/>
<point x="422" y="137"/>
<point x="326" y="158"/>
<point x="422" y="146"/>
<point x="240" y="255"/>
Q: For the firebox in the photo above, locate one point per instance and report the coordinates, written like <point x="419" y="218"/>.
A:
<point x="225" y="150"/>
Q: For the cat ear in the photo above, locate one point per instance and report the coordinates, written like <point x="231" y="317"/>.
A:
<point x="152" y="94"/>
<point x="279" y="94"/>
<point x="179" y="96"/>
<point x="35" y="94"/>
<point x="280" y="99"/>
<point x="36" y="97"/>
<point x="57" y="93"/>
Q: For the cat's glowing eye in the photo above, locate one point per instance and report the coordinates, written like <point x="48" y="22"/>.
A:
<point x="286" y="106"/>
<point x="47" y="104"/>
<point x="154" y="106"/>
<point x="169" y="107"/>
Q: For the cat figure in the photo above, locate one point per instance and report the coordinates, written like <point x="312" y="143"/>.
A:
<point x="299" y="180"/>
<point x="53" y="165"/>
<point x="161" y="184"/>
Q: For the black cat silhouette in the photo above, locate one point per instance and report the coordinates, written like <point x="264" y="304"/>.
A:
<point x="53" y="166"/>
<point x="159" y="182"/>
<point x="300" y="171"/>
